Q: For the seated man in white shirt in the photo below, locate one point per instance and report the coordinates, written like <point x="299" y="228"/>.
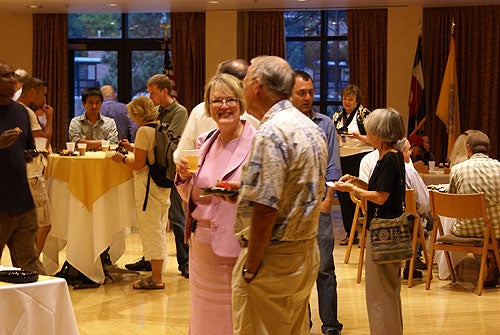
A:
<point x="413" y="181"/>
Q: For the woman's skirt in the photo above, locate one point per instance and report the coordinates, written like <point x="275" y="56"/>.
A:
<point x="210" y="286"/>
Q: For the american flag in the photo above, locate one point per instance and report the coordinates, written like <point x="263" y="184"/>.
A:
<point x="167" y="67"/>
<point x="416" y="101"/>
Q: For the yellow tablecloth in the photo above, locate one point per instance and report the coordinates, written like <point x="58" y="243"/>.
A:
<point x="43" y="307"/>
<point x="89" y="176"/>
<point x="92" y="206"/>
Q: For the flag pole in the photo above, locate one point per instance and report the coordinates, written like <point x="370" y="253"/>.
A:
<point x="447" y="108"/>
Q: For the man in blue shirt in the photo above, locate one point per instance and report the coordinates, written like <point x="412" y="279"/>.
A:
<point x="118" y="112"/>
<point x="326" y="283"/>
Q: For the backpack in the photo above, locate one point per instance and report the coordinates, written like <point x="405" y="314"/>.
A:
<point x="162" y="171"/>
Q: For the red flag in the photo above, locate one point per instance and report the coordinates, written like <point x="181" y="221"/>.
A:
<point x="168" y="69"/>
<point x="416" y="100"/>
<point x="447" y="107"/>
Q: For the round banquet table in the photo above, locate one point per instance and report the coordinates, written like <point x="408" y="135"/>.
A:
<point x="92" y="207"/>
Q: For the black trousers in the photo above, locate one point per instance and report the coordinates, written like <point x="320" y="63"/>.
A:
<point x="349" y="165"/>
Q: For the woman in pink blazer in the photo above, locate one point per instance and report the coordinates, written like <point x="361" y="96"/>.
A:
<point x="210" y="219"/>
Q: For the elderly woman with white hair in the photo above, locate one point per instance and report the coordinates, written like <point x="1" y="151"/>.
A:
<point x="385" y="195"/>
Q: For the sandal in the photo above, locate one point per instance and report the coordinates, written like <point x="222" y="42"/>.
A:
<point x="148" y="284"/>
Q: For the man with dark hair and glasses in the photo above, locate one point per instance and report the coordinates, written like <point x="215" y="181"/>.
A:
<point x="326" y="283"/>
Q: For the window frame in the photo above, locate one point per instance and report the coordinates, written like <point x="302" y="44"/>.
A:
<point x="323" y="103"/>
<point x="124" y="46"/>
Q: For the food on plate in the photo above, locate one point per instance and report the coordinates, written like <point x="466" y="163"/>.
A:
<point x="221" y="188"/>
<point x="67" y="153"/>
<point x="224" y="184"/>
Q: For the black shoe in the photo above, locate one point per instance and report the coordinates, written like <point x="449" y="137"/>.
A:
<point x="185" y="271"/>
<point x="140" y="265"/>
<point x="419" y="264"/>
<point x="345" y="241"/>
<point x="494" y="281"/>
<point x="416" y="274"/>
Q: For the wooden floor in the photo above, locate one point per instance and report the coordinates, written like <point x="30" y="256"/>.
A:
<point x="446" y="309"/>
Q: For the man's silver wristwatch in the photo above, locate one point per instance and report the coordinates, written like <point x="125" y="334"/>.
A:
<point x="246" y="274"/>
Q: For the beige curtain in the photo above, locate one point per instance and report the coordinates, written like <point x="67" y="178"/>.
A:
<point x="367" y="40"/>
<point x="266" y="34"/>
<point x="478" y="70"/>
<point x="50" y="63"/>
<point x="188" y="56"/>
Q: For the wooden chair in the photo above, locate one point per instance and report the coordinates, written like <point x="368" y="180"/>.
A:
<point x="418" y="232"/>
<point x="421" y="169"/>
<point x="435" y="179"/>
<point x="461" y="206"/>
<point x="358" y="222"/>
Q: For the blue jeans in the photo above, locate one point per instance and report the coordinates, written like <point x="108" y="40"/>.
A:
<point x="178" y="221"/>
<point x="326" y="282"/>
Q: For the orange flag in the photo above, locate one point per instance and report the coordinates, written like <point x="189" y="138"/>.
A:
<point x="447" y="107"/>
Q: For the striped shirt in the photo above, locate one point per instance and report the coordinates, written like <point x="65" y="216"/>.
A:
<point x="103" y="129"/>
<point x="478" y="174"/>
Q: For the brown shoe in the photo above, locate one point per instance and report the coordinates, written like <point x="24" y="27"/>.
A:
<point x="345" y="241"/>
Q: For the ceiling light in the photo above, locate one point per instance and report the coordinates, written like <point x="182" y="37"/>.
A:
<point x="35" y="6"/>
<point x="213" y="2"/>
<point x="112" y="5"/>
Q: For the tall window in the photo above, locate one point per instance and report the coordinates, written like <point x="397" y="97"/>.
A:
<point x="122" y="50"/>
<point x="316" y="42"/>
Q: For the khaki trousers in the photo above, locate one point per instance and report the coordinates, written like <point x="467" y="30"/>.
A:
<point x="275" y="301"/>
<point x="383" y="299"/>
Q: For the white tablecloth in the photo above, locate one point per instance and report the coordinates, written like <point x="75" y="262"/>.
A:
<point x="41" y="308"/>
<point x="88" y="233"/>
<point x="456" y="257"/>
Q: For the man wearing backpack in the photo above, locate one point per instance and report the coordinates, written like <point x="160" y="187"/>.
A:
<point x="175" y="115"/>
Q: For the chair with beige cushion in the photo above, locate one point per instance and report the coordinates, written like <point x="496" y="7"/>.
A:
<point x="435" y="179"/>
<point x="461" y="206"/>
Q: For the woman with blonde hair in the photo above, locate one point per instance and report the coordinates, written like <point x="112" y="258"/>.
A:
<point x="210" y="219"/>
<point x="153" y="220"/>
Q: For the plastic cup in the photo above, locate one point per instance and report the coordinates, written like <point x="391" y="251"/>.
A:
<point x="82" y="148"/>
<point x="432" y="165"/>
<point x="191" y="155"/>
<point x="70" y="146"/>
<point x="105" y="145"/>
<point x="113" y="147"/>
